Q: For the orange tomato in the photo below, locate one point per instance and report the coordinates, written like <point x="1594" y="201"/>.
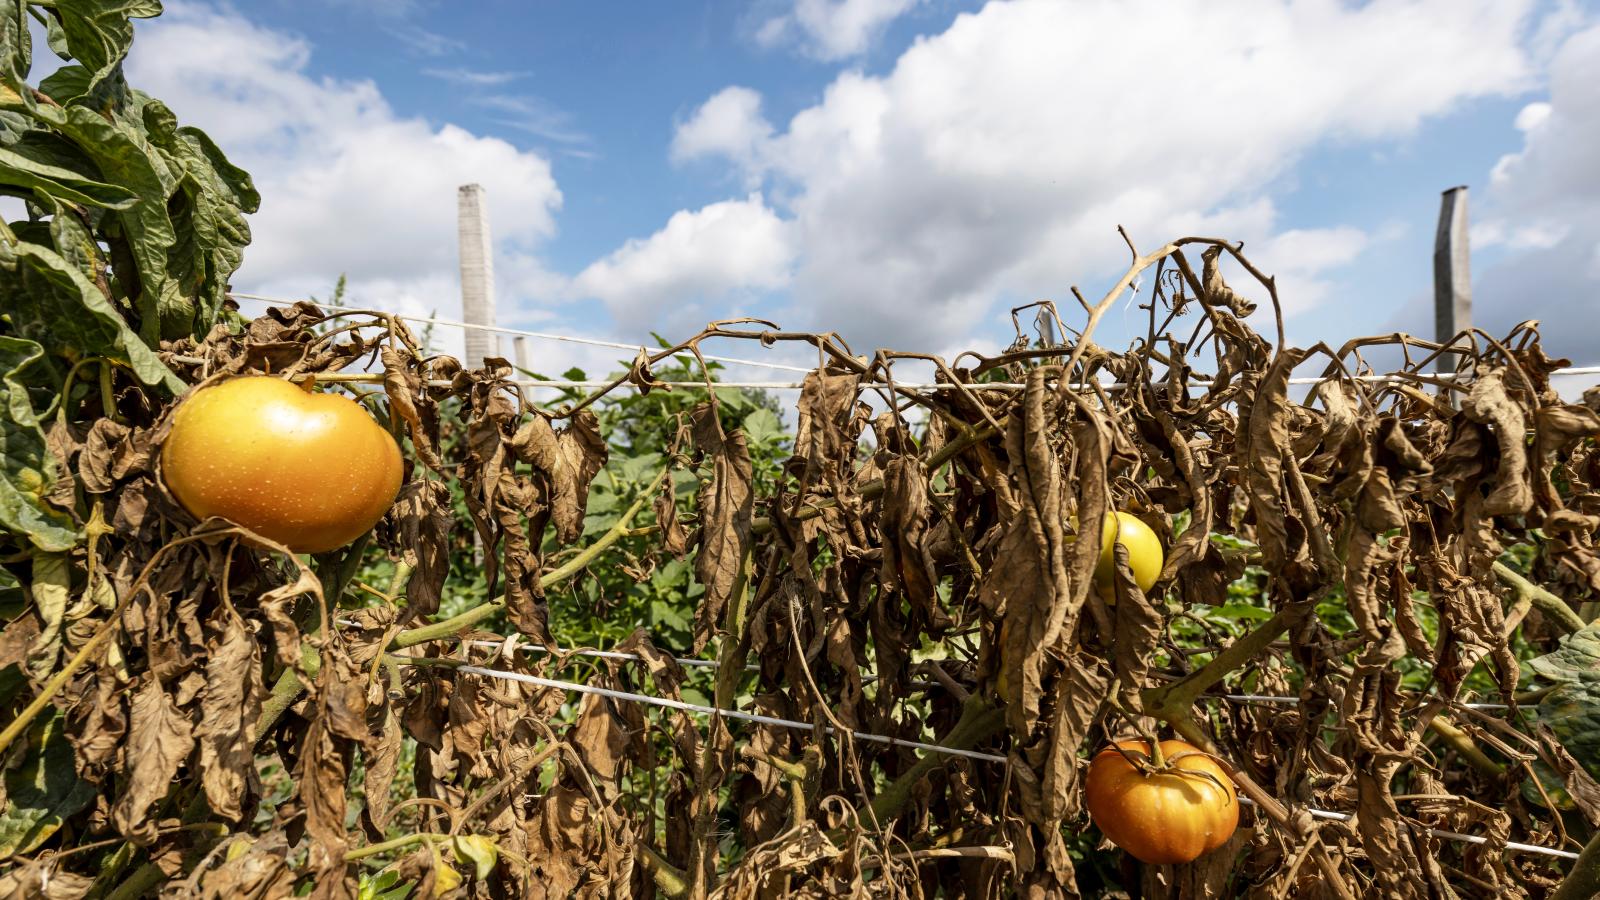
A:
<point x="310" y="471"/>
<point x="1168" y="817"/>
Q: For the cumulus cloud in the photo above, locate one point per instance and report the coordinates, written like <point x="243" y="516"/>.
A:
<point x="729" y="125"/>
<point x="1543" y="204"/>
<point x="348" y="185"/>
<point x="832" y="29"/>
<point x="726" y="252"/>
<point x="994" y="160"/>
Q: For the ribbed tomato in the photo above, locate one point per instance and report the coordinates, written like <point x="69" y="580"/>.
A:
<point x="310" y="471"/>
<point x="1167" y="817"/>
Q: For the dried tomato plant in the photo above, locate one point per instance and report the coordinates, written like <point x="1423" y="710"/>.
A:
<point x="1377" y="550"/>
<point x="881" y="660"/>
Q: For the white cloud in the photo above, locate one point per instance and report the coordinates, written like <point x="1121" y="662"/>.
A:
<point x="832" y="30"/>
<point x="995" y="159"/>
<point x="1544" y="201"/>
<point x="348" y="185"/>
<point x="731" y="125"/>
<point x="725" y="252"/>
<point x="473" y="78"/>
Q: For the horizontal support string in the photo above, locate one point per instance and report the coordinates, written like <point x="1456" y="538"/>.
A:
<point x="714" y="711"/>
<point x="795" y="385"/>
<point x="1441" y="833"/>
<point x="542" y="335"/>
<point x="916" y="745"/>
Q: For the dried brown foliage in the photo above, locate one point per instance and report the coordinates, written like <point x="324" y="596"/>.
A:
<point x="914" y="573"/>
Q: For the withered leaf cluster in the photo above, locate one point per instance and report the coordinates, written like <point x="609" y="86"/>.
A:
<point x="1373" y="549"/>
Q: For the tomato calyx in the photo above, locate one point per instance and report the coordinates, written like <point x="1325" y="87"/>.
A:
<point x="1156" y="764"/>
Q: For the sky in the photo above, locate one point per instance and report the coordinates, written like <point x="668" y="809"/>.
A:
<point x="902" y="172"/>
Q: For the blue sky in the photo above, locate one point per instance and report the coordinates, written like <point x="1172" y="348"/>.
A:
<point x="900" y="171"/>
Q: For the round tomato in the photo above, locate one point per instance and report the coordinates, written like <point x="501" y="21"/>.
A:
<point x="1144" y="551"/>
<point x="310" y="471"/>
<point x="1145" y="557"/>
<point x="1167" y="817"/>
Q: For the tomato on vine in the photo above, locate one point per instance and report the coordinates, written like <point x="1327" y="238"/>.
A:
<point x="310" y="471"/>
<point x="1181" y="809"/>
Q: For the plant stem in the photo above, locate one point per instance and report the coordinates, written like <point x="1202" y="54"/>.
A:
<point x="398" y="843"/>
<point x="979" y="720"/>
<point x="1583" y="882"/>
<point x="456" y="624"/>
<point x="1169" y="702"/>
<point x="1546" y="602"/>
<point x="669" y="878"/>
<point x="1463" y="744"/>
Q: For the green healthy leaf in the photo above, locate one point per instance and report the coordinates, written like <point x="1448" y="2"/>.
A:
<point x="1576" y="660"/>
<point x="55" y="302"/>
<point x="28" y="472"/>
<point x="126" y="158"/>
<point x="99" y="33"/>
<point x="207" y="209"/>
<point x="1573" y="713"/>
<point x="16" y="43"/>
<point x="26" y="165"/>
<point x="1572" y="710"/>
<point x="43" y="793"/>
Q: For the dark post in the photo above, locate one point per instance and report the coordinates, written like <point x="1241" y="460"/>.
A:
<point x="1452" y="280"/>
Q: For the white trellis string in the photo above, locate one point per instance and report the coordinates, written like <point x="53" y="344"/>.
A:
<point x="916" y="745"/>
<point x="543" y="335"/>
<point x="714" y="711"/>
<point x="616" y="654"/>
<point x="1441" y="833"/>
<point x="1294" y="701"/>
<point x="796" y="385"/>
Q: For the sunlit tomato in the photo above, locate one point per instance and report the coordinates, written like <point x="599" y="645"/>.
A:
<point x="310" y="471"/>
<point x="1167" y="817"/>
<point x="1144" y="551"/>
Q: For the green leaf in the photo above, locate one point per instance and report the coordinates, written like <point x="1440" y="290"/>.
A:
<point x="28" y="471"/>
<point x="54" y="302"/>
<point x="43" y="793"/>
<point x="98" y="33"/>
<point x="67" y="84"/>
<point x="1572" y="710"/>
<point x="125" y="158"/>
<point x="1576" y="660"/>
<point x="16" y="42"/>
<point x="26" y="164"/>
<point x="763" y="426"/>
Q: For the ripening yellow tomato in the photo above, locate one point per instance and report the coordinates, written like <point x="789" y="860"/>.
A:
<point x="1145" y="556"/>
<point x="1144" y="551"/>
<point x="310" y="471"/>
<point x="1167" y="817"/>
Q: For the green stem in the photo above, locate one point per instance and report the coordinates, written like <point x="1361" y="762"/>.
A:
<point x="456" y="624"/>
<point x="142" y="881"/>
<point x="1463" y="744"/>
<point x="1546" y="602"/>
<point x="1174" y="700"/>
<point x="670" y="879"/>
<point x="1583" y="882"/>
<point x="398" y="843"/>
<point x="978" y="721"/>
